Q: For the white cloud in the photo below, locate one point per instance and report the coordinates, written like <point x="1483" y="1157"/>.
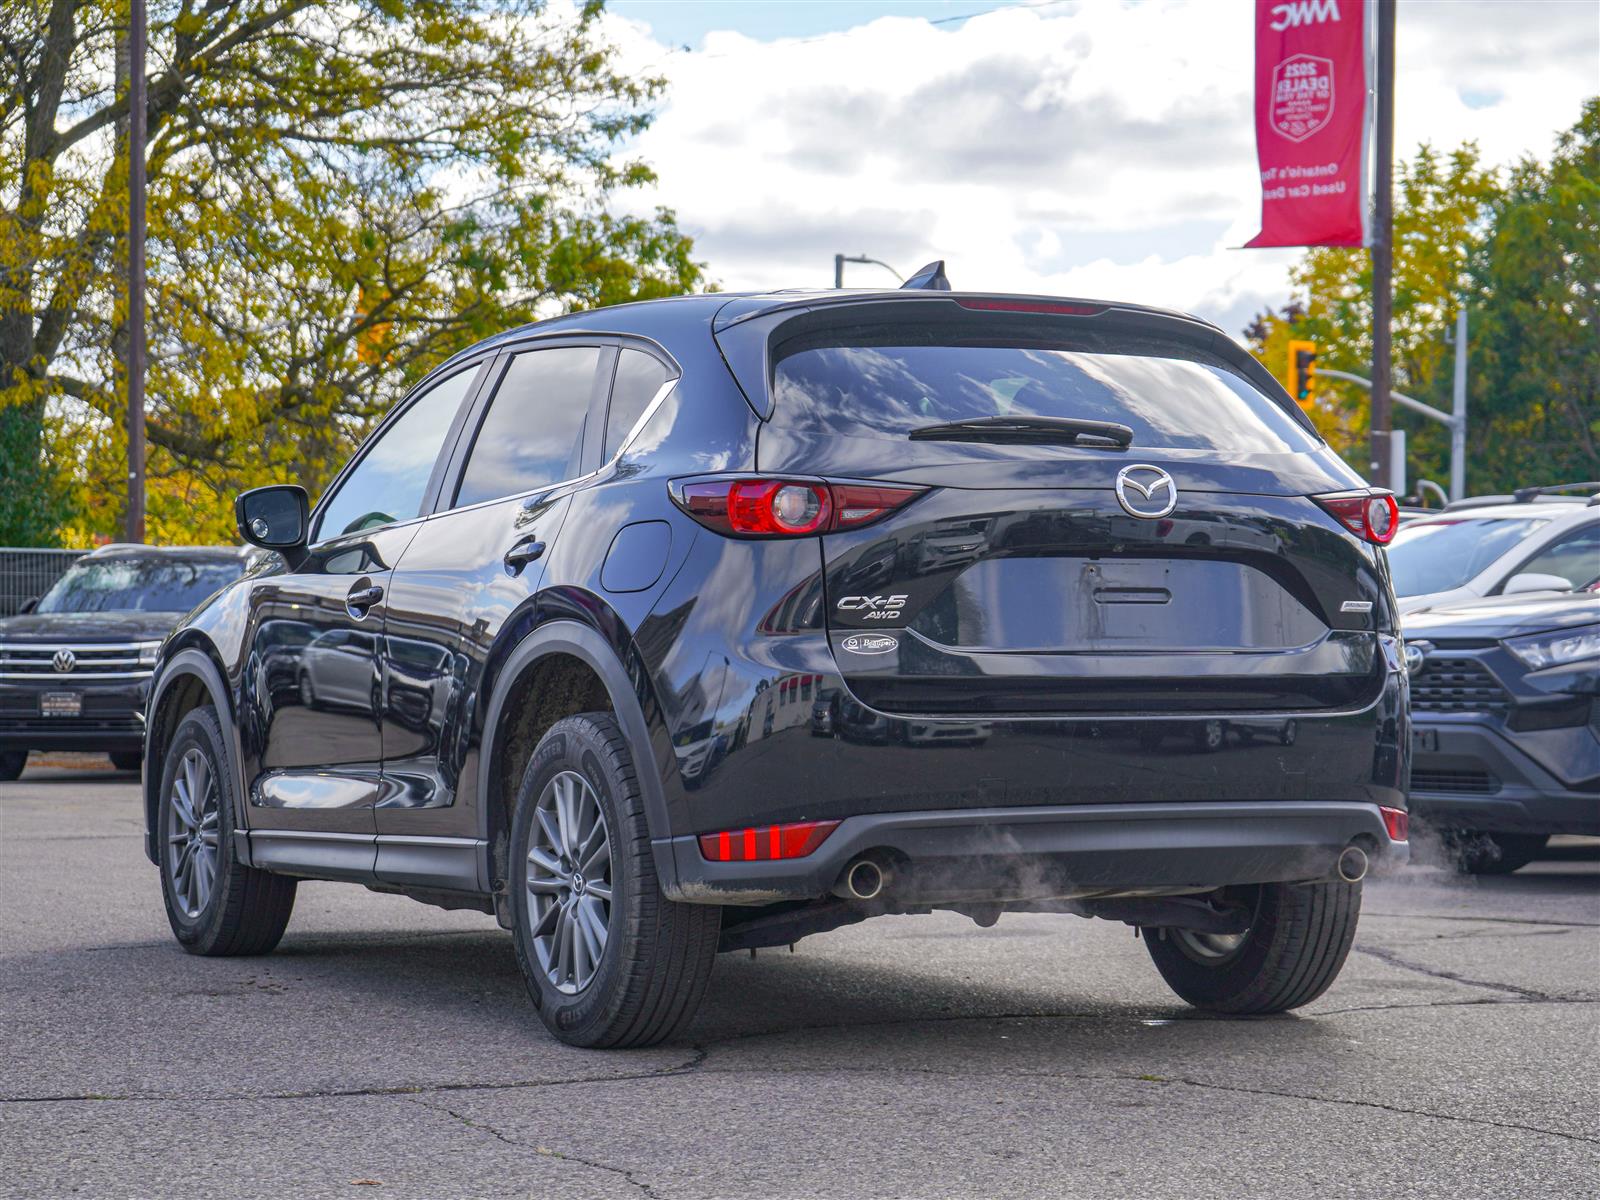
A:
<point x="1096" y="149"/>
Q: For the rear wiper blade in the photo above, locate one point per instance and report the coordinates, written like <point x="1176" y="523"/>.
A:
<point x="1056" y="430"/>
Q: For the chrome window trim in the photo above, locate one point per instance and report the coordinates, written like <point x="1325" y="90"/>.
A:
<point x="650" y="410"/>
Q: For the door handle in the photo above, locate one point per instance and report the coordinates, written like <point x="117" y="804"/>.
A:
<point x="524" y="552"/>
<point x="360" y="599"/>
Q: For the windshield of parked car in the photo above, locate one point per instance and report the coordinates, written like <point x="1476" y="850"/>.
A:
<point x="1438" y="555"/>
<point x="138" y="585"/>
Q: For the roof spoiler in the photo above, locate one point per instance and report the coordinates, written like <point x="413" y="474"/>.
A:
<point x="930" y="278"/>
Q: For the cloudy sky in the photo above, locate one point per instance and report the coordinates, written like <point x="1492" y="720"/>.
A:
<point x="1075" y="147"/>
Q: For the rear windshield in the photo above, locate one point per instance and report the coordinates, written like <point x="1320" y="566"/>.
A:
<point x="1168" y="395"/>
<point x="1436" y="556"/>
<point x="138" y="585"/>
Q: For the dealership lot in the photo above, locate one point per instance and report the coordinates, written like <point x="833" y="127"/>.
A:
<point x="388" y="1049"/>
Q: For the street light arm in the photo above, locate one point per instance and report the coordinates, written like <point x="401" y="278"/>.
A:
<point x="1426" y="410"/>
<point x="863" y="259"/>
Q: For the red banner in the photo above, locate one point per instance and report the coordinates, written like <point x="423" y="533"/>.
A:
<point x="1311" y="122"/>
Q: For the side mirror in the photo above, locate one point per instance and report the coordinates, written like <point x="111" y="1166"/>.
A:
<point x="275" y="517"/>
<point x="1532" y="581"/>
<point x="28" y="605"/>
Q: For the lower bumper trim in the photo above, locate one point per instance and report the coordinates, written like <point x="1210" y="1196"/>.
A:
<point x="1020" y="854"/>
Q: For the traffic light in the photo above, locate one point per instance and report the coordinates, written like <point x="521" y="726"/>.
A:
<point x="1303" y="373"/>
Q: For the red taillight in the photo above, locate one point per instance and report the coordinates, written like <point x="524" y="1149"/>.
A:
<point x="1373" y="516"/>
<point x="764" y="843"/>
<point x="786" y="507"/>
<point x="1397" y="822"/>
<point x="1033" y="306"/>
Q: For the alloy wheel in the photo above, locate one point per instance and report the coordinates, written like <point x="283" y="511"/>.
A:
<point x="193" y="834"/>
<point x="569" y="882"/>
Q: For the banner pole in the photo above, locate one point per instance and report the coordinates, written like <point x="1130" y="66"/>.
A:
<point x="1383" y="248"/>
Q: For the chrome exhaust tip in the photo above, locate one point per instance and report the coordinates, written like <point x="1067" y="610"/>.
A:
<point x="861" y="880"/>
<point x="1353" y="864"/>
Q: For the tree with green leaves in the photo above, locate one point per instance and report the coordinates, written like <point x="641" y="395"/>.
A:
<point x="1535" y="341"/>
<point x="1441" y="208"/>
<point x="1523" y="253"/>
<point x="340" y="196"/>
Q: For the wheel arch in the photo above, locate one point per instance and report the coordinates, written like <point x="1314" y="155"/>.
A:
<point x="189" y="679"/>
<point x="564" y="667"/>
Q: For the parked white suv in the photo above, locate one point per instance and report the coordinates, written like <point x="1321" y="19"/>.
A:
<point x="1499" y="549"/>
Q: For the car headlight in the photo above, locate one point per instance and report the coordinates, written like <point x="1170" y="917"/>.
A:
<point x="148" y="652"/>
<point x="1553" y="649"/>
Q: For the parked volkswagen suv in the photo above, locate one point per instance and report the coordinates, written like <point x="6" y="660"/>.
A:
<point x="616" y="560"/>
<point x="75" y="666"/>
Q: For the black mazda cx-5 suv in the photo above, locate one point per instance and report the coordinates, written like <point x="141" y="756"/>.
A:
<point x="1058" y="575"/>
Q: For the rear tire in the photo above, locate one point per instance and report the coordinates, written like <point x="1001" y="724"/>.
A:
<point x="645" y="960"/>
<point x="11" y="764"/>
<point x="126" y="760"/>
<point x="1299" y="937"/>
<point x="217" y="906"/>
<point x="1494" y="853"/>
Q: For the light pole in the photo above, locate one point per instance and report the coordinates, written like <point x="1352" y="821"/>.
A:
<point x="137" y="33"/>
<point x="1383" y="247"/>
<point x="839" y="261"/>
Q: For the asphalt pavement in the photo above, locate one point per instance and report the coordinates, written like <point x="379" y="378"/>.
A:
<point x="388" y="1049"/>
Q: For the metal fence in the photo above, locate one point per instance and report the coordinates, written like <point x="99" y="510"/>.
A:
<point x="28" y="573"/>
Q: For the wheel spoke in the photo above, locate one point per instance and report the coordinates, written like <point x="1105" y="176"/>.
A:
<point x="597" y="857"/>
<point x="547" y="918"/>
<point x="182" y="809"/>
<point x="592" y="920"/>
<point x="580" y="949"/>
<point x="558" y="947"/>
<point x="551" y="831"/>
<point x="601" y="892"/>
<point x="567" y="814"/>
<point x="548" y="887"/>
<point x="545" y="861"/>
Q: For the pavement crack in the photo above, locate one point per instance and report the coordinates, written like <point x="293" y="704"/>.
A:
<point x="1393" y="1108"/>
<point x="544" y="1151"/>
<point x="1394" y="960"/>
<point x="1411" y="916"/>
<point x="403" y="1091"/>
<point x="1474" y="1002"/>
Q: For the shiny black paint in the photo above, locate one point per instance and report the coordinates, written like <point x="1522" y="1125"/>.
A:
<point x="721" y="647"/>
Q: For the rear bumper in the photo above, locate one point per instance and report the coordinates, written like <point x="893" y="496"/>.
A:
<point x="1018" y="854"/>
<point x="1473" y="773"/>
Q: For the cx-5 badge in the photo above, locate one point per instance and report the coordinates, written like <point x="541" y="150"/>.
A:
<point x="1148" y="483"/>
<point x="870" y="643"/>
<point x="874" y="608"/>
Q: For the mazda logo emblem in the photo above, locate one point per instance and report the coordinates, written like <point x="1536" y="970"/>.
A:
<point x="1146" y="491"/>
<point x="64" y="661"/>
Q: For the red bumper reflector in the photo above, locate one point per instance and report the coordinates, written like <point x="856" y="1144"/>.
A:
<point x="1397" y="821"/>
<point x="763" y="843"/>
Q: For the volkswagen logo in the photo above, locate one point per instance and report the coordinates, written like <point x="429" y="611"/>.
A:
<point x="64" y="661"/>
<point x="1146" y="491"/>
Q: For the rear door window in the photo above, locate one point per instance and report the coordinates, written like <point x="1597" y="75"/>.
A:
<point x="532" y="432"/>
<point x="1168" y="396"/>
